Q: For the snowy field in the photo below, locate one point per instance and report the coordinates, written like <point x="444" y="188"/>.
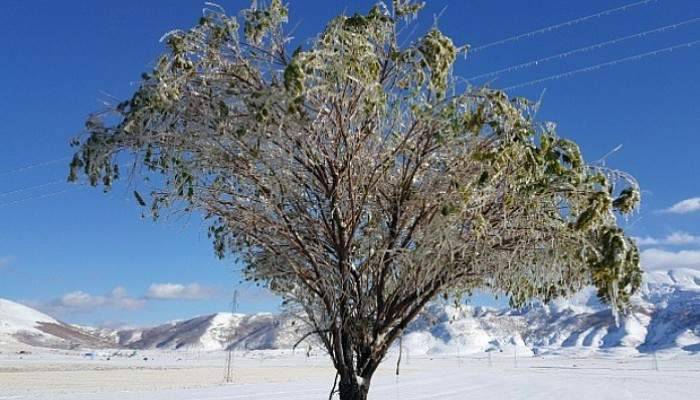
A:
<point x="182" y="375"/>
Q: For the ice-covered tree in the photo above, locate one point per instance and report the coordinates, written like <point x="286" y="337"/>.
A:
<point x="357" y="182"/>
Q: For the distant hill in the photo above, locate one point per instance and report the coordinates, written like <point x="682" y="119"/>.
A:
<point x="216" y="332"/>
<point x="665" y="315"/>
<point x="22" y="325"/>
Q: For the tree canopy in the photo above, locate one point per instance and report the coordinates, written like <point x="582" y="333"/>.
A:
<point x="358" y="181"/>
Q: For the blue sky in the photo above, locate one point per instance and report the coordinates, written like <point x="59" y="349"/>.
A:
<point x="90" y="258"/>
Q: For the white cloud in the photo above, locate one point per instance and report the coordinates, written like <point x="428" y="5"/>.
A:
<point x="685" y="206"/>
<point x="178" y="291"/>
<point x="120" y="299"/>
<point x="81" y="301"/>
<point x="119" y="292"/>
<point x="673" y="239"/>
<point x="681" y="238"/>
<point x="655" y="258"/>
<point x="646" y="241"/>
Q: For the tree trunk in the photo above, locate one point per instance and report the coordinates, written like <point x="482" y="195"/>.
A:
<point x="350" y="389"/>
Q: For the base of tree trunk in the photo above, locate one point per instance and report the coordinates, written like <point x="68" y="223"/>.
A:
<point x="349" y="389"/>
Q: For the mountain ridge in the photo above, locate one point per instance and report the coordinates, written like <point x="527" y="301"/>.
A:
<point x="665" y="316"/>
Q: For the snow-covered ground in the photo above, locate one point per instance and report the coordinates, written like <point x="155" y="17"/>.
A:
<point x="191" y="375"/>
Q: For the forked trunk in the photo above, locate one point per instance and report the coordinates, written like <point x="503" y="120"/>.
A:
<point x="351" y="389"/>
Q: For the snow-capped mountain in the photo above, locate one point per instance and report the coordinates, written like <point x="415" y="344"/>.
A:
<point x="22" y="325"/>
<point x="217" y="331"/>
<point x="665" y="315"/>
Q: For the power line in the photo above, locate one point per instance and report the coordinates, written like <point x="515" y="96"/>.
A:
<point x="32" y="166"/>
<point x="605" y="64"/>
<point x="583" y="49"/>
<point x="24" y="189"/>
<point x="561" y="25"/>
<point x="41" y="185"/>
<point x="41" y="196"/>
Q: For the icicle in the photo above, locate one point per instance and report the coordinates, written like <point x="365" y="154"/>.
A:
<point x="613" y="292"/>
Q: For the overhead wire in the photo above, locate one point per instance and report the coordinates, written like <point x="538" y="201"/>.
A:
<point x="36" y="197"/>
<point x="28" y="188"/>
<point x="605" y="64"/>
<point x="38" y="186"/>
<point x="560" y="25"/>
<point x="32" y="166"/>
<point x="583" y="49"/>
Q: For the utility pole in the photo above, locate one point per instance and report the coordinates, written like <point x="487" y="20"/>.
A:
<point x="229" y="359"/>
